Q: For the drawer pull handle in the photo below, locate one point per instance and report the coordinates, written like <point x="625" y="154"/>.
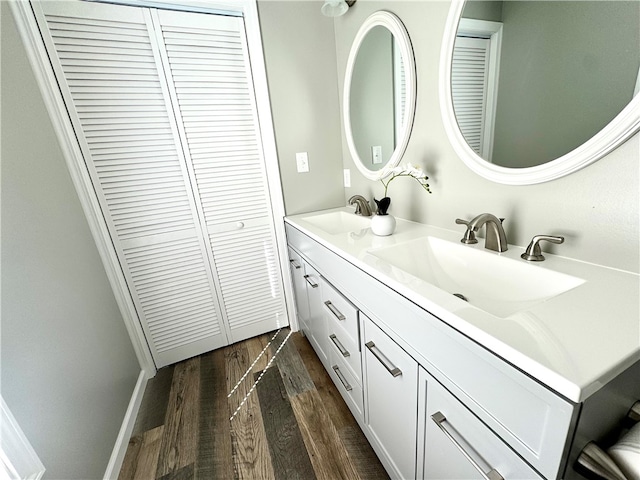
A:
<point x="295" y="264"/>
<point x="343" y="380"/>
<point x="334" y="310"/>
<point x="391" y="368"/>
<point x="492" y="474"/>
<point x="310" y="282"/>
<point x="336" y="342"/>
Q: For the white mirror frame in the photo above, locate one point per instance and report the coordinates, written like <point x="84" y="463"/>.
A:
<point x="397" y="29"/>
<point x="623" y="126"/>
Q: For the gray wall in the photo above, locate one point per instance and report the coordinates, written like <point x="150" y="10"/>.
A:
<point x="596" y="209"/>
<point x="300" y="58"/>
<point x="67" y="365"/>
<point x="484" y="10"/>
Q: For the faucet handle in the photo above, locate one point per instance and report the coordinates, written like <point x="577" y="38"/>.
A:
<point x="533" y="253"/>
<point x="469" y="235"/>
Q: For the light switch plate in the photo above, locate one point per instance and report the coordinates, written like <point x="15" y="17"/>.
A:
<point x="347" y="177"/>
<point x="376" y="154"/>
<point x="302" y="162"/>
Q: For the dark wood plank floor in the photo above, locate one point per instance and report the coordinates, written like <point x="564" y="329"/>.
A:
<point x="264" y="408"/>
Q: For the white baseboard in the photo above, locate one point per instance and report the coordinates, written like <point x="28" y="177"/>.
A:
<point x="120" y="447"/>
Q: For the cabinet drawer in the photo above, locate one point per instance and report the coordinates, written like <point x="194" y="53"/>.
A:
<point x="458" y="445"/>
<point x="347" y="385"/>
<point x="341" y="345"/>
<point x="339" y="310"/>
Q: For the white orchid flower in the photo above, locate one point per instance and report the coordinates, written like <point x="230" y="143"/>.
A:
<point x="407" y="170"/>
<point x="413" y="170"/>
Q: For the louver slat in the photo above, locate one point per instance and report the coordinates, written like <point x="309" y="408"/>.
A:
<point x="213" y="88"/>
<point x="469" y="88"/>
<point x="125" y="129"/>
<point x="246" y="266"/>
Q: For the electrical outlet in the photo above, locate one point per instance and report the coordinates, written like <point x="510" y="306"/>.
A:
<point x="347" y="177"/>
<point x="302" y="162"/>
<point x="376" y="154"/>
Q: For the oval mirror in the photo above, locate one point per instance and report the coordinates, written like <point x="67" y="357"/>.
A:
<point x="531" y="91"/>
<point x="379" y="95"/>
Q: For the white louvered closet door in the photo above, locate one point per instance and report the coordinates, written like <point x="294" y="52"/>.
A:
<point x="206" y="58"/>
<point x="109" y="68"/>
<point x="469" y="82"/>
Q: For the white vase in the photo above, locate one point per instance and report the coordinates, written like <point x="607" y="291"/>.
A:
<point x="383" y="225"/>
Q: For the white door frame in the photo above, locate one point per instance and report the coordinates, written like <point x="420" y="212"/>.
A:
<point x="27" y="26"/>
<point x="18" y="459"/>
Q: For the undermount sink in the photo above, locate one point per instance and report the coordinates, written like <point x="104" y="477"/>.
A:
<point x="339" y="222"/>
<point x="489" y="281"/>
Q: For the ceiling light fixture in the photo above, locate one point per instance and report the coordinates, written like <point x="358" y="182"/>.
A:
<point x="335" y="8"/>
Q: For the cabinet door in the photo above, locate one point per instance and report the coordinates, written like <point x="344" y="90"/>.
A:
<point x="300" y="290"/>
<point x="205" y="58"/>
<point x="455" y="444"/>
<point x="317" y="322"/>
<point x="391" y="397"/>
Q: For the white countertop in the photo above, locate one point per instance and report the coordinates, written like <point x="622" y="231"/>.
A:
<point x="574" y="343"/>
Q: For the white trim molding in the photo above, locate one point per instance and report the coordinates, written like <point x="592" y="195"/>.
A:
<point x="18" y="459"/>
<point x="270" y="152"/>
<point x="620" y="129"/>
<point x="122" y="442"/>
<point x="43" y="71"/>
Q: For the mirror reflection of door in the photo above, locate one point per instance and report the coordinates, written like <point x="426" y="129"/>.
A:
<point x="399" y="92"/>
<point x="474" y="80"/>
<point x="567" y="69"/>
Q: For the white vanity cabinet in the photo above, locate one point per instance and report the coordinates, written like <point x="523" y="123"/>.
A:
<point x="391" y="390"/>
<point x="397" y="366"/>
<point x="454" y="443"/>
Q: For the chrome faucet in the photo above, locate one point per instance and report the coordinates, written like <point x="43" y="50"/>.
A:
<point x="362" y="205"/>
<point x="495" y="237"/>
